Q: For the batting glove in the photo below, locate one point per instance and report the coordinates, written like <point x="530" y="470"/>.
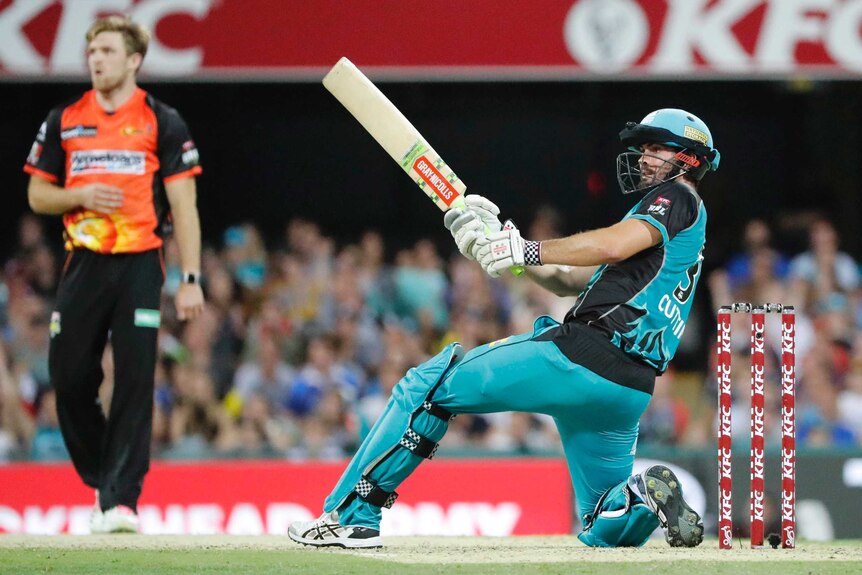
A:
<point x="485" y="209"/>
<point x="505" y="249"/>
<point x="466" y="227"/>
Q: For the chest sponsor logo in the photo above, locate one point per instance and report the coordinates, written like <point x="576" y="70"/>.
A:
<point x="78" y="132"/>
<point x="135" y="130"/>
<point x="657" y="209"/>
<point x="107" y="162"/>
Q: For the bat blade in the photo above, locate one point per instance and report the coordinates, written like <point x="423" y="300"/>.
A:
<point x="388" y="126"/>
<point x="404" y="144"/>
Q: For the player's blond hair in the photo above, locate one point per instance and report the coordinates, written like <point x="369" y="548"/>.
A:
<point x="135" y="36"/>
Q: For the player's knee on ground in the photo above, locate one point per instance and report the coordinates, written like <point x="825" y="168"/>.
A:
<point x="620" y="519"/>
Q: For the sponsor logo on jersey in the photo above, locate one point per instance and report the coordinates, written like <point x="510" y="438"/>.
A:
<point x="35" y="153"/>
<point x="36" y="148"/>
<point x="190" y="153"/>
<point x="78" y="132"/>
<point x="662" y="200"/>
<point x="657" y="209"/>
<point x="147" y="318"/>
<point x="108" y="162"/>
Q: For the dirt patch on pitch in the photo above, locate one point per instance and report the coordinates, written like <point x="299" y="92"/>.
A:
<point x="446" y="550"/>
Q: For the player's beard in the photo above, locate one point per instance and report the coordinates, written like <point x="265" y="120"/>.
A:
<point x="107" y="84"/>
<point x="648" y="179"/>
<point x="656" y="175"/>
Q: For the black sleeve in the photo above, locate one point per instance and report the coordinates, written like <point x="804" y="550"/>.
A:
<point x="671" y="209"/>
<point x="47" y="153"/>
<point x="176" y="150"/>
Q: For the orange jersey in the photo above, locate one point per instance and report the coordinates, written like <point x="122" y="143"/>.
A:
<point x="137" y="148"/>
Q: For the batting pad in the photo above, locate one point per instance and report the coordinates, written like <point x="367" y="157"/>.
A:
<point x="383" y="458"/>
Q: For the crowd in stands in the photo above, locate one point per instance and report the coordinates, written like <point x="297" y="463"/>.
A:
<point x="300" y="344"/>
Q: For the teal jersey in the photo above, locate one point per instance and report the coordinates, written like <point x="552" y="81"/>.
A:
<point x="642" y="303"/>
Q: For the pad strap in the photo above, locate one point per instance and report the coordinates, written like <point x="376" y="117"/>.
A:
<point x="419" y="445"/>
<point x="437" y="411"/>
<point x="368" y="491"/>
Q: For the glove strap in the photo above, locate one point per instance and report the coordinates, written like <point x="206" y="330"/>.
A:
<point x="532" y="253"/>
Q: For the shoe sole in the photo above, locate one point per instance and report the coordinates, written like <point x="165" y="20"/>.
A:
<point x="370" y="543"/>
<point x="683" y="526"/>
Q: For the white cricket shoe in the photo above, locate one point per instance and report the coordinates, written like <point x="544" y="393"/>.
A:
<point x="119" y="519"/>
<point x="96" y="516"/>
<point x="326" y="531"/>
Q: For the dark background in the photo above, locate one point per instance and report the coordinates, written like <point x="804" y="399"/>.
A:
<point x="272" y="151"/>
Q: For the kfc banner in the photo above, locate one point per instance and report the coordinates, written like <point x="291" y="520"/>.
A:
<point x="445" y="497"/>
<point x="448" y="39"/>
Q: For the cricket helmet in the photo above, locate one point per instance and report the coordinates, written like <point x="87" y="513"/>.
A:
<point x="670" y="127"/>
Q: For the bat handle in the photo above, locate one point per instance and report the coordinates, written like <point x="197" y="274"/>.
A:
<point x="516" y="271"/>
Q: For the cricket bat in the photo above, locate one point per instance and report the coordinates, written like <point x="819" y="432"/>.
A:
<point x="397" y="136"/>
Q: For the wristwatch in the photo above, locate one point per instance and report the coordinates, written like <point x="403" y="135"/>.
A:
<point x="191" y="278"/>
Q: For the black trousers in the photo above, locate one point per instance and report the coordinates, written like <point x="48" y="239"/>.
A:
<point x="100" y="296"/>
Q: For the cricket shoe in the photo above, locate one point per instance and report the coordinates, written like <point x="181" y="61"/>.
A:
<point x="662" y="492"/>
<point x="96" y="516"/>
<point x="326" y="531"/>
<point x="119" y="519"/>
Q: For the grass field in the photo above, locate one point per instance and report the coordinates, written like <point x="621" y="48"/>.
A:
<point x="174" y="555"/>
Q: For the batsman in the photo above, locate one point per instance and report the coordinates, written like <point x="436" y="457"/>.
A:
<point x="594" y="373"/>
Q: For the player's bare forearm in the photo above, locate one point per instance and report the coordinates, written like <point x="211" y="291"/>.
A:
<point x="182" y="195"/>
<point x="50" y="199"/>
<point x="602" y="246"/>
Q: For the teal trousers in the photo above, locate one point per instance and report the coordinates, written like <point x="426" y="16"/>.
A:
<point x="597" y="419"/>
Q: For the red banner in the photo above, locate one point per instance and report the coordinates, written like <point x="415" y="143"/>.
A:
<point x="299" y="40"/>
<point x="444" y="497"/>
